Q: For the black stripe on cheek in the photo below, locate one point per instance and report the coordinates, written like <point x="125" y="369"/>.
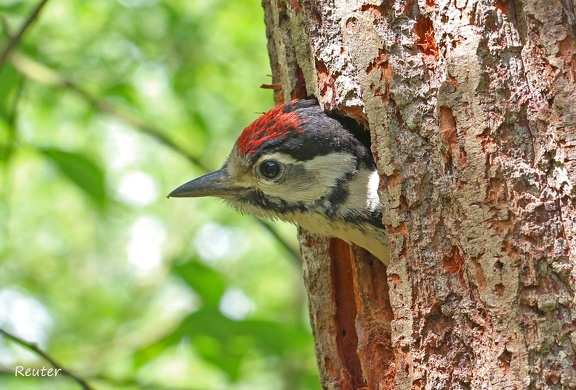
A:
<point x="337" y="198"/>
<point x="274" y="205"/>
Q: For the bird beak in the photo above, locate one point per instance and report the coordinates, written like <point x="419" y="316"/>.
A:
<point x="217" y="183"/>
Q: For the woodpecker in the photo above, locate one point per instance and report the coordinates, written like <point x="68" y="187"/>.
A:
<point x="302" y="165"/>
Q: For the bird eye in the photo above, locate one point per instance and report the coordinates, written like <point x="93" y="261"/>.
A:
<point x="269" y="169"/>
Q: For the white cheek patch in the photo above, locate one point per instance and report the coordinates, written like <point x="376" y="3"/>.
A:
<point x="306" y="181"/>
<point x="363" y="190"/>
<point x="372" y="199"/>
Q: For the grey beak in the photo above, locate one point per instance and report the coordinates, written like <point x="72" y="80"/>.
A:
<point x="217" y="183"/>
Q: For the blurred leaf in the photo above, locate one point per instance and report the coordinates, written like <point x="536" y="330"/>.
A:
<point x="213" y="337"/>
<point x="217" y="352"/>
<point x="80" y="170"/>
<point x="222" y="341"/>
<point x="10" y="83"/>
<point x="274" y="337"/>
<point x="12" y="7"/>
<point x="208" y="283"/>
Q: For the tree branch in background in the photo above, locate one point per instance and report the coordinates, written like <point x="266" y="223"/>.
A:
<point x="14" y="40"/>
<point x="34" y="348"/>
<point x="41" y="73"/>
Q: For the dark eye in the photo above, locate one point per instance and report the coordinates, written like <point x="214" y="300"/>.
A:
<point x="269" y="169"/>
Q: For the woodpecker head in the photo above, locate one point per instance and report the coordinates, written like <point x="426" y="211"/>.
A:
<point x="301" y="165"/>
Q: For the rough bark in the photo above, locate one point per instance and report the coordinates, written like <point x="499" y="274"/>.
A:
<point x="472" y="109"/>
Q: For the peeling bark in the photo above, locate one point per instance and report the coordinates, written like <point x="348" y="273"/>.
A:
<point x="472" y="109"/>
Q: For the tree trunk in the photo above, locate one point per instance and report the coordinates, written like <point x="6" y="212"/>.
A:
<point x="472" y="109"/>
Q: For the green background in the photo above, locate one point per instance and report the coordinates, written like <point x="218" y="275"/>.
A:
<point x="105" y="107"/>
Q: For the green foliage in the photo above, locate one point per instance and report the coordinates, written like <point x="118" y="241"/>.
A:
<point x="103" y="107"/>
<point x="80" y="170"/>
<point x="207" y="282"/>
<point x="10" y="81"/>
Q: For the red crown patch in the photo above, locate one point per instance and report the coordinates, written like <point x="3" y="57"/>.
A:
<point x="278" y="123"/>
